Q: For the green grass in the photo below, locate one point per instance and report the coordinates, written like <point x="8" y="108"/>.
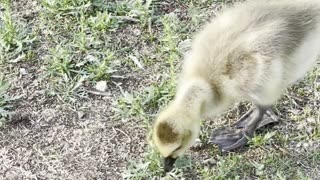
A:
<point x="15" y="37"/>
<point x="137" y="48"/>
<point x="82" y="38"/>
<point x="270" y="165"/>
<point x="232" y="166"/>
<point x="4" y="99"/>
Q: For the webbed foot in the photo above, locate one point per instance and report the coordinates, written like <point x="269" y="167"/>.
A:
<point x="229" y="139"/>
<point x="268" y="118"/>
<point x="235" y="137"/>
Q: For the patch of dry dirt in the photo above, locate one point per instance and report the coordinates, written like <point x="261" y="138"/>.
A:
<point x="48" y="139"/>
<point x="57" y="144"/>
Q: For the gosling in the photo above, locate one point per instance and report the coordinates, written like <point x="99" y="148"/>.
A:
<point x="250" y="52"/>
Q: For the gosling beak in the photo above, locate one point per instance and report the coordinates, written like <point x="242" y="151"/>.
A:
<point x="168" y="163"/>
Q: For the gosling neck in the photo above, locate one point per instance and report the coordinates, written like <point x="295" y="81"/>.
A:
<point x="193" y="97"/>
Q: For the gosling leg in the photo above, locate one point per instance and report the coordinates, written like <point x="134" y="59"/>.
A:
<point x="230" y="139"/>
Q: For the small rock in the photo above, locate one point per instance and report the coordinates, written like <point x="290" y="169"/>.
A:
<point x="185" y="45"/>
<point x="302" y="125"/>
<point x="305" y="145"/>
<point x="101" y="86"/>
<point x="81" y="63"/>
<point x="197" y="144"/>
<point x="210" y="161"/>
<point x="116" y="62"/>
<point x="299" y="145"/>
<point x="81" y="114"/>
<point x="23" y="71"/>
<point x="136" y="32"/>
<point x="91" y="58"/>
<point x="309" y="130"/>
<point x="311" y="120"/>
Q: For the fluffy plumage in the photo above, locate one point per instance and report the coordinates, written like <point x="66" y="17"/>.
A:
<point x="250" y="52"/>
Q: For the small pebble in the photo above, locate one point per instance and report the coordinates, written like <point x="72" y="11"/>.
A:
<point x="136" y="32"/>
<point x="305" y="145"/>
<point x="101" y="86"/>
<point x="23" y="71"/>
<point x="210" y="161"/>
<point x="311" y="120"/>
<point x="185" y="45"/>
<point x="302" y="125"/>
<point x="81" y="114"/>
<point x="299" y="145"/>
<point x="309" y="130"/>
<point x="197" y="144"/>
<point x="91" y="58"/>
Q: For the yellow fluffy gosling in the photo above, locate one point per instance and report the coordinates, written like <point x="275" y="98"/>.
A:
<point x="249" y="52"/>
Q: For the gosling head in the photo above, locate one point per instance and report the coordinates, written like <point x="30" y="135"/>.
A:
<point x="173" y="133"/>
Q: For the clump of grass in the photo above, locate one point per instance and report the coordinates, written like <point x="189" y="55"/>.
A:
<point x="144" y="105"/>
<point x="5" y="99"/>
<point x="169" y="41"/>
<point x="149" y="168"/>
<point x="261" y="139"/>
<point x="8" y="28"/>
<point x="80" y="37"/>
<point x="227" y="168"/>
<point x="101" y="70"/>
<point x="77" y="47"/>
<point x="60" y="62"/>
<point x="15" y="37"/>
<point x="269" y="165"/>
